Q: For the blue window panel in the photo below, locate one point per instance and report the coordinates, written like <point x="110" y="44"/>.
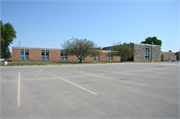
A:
<point x="65" y="58"/>
<point x="42" y="58"/>
<point x="47" y="58"/>
<point x="62" y="59"/>
<point x="21" y="58"/>
<point x="26" y="58"/>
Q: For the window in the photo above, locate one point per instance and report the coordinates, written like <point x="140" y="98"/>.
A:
<point x="147" y="58"/>
<point x="96" y="58"/>
<point x="146" y="53"/>
<point x="63" y="56"/>
<point x="80" y="56"/>
<point x="109" y="56"/>
<point x="44" y="54"/>
<point x="24" y="54"/>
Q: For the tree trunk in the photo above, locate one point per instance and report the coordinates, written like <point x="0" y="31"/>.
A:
<point x="80" y="60"/>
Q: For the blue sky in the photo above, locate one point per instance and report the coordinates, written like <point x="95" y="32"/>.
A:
<point x="49" y="23"/>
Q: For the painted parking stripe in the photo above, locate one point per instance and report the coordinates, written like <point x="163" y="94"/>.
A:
<point x="72" y="83"/>
<point x="18" y="91"/>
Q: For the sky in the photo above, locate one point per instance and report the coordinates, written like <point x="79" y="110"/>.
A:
<point x="47" y="24"/>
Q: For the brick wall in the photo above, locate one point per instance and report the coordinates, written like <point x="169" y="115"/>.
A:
<point x="54" y="55"/>
<point x="72" y="58"/>
<point x="34" y="55"/>
<point x="88" y="59"/>
<point x="169" y="55"/>
<point x="16" y="54"/>
<point x="116" y="58"/>
<point x="103" y="57"/>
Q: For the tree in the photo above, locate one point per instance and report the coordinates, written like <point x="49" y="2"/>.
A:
<point x="7" y="33"/>
<point x="122" y="50"/>
<point x="81" y="48"/>
<point x="162" y="56"/>
<point x="176" y="53"/>
<point x="155" y="41"/>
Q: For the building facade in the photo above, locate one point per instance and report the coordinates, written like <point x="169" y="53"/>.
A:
<point x="147" y="52"/>
<point x="170" y="56"/>
<point x="49" y="54"/>
<point x="142" y="52"/>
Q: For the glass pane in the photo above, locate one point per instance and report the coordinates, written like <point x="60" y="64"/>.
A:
<point x="22" y="52"/>
<point x="27" y="50"/>
<point x="94" y="58"/>
<point x="83" y="59"/>
<point x="110" y="59"/>
<point x="62" y="59"/>
<point x="21" y="58"/>
<point x="42" y="53"/>
<point x="26" y="53"/>
<point x="42" y="58"/>
<point x="47" y="53"/>
<point x="65" y="58"/>
<point x="47" y="58"/>
<point x="61" y="54"/>
<point x="97" y="59"/>
<point x="26" y="58"/>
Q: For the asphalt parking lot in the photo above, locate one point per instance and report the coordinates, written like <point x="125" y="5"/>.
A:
<point x="116" y="90"/>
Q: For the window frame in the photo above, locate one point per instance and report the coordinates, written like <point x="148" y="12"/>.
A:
<point x="95" y="58"/>
<point x="45" y="56"/>
<point x="64" y="57"/>
<point x="109" y="56"/>
<point x="24" y="56"/>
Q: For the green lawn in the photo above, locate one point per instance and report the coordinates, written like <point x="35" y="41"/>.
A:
<point x="14" y="63"/>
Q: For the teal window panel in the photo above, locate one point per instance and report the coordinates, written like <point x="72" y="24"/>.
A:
<point x="27" y="50"/>
<point x="62" y="59"/>
<point x="47" y="50"/>
<point x="65" y="58"/>
<point x="97" y="59"/>
<point x="83" y="59"/>
<point x="110" y="59"/>
<point x="22" y="50"/>
<point x="42" y="58"/>
<point x="26" y="58"/>
<point x="47" y="58"/>
<point x="21" y="58"/>
<point x="94" y="58"/>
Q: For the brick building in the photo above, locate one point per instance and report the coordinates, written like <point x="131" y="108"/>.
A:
<point x="169" y="56"/>
<point x="142" y="52"/>
<point x="50" y="54"/>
